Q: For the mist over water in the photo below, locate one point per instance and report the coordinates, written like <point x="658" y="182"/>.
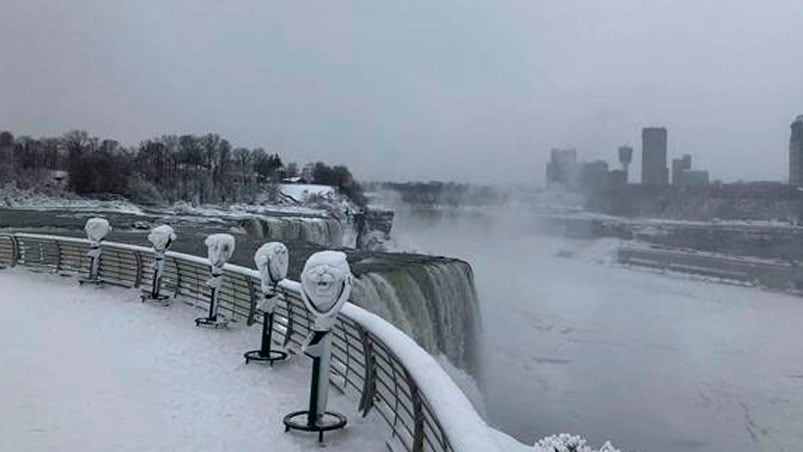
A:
<point x="652" y="362"/>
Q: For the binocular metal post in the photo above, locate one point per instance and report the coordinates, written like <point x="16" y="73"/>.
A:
<point x="213" y="318"/>
<point x="266" y="353"/>
<point x="153" y="294"/>
<point x="221" y="247"/>
<point x="94" y="266"/>
<point x="161" y="237"/>
<point x="316" y="418"/>
<point x="325" y="286"/>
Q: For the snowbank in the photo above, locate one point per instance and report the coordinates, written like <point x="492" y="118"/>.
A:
<point x="302" y="192"/>
<point x="12" y="197"/>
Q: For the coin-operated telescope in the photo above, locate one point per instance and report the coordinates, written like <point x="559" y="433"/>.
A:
<point x="272" y="260"/>
<point x="220" y="248"/>
<point x="325" y="287"/>
<point x="162" y="237"/>
<point x="96" y="230"/>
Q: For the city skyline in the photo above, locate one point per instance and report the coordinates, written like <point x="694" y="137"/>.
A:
<point x="411" y="91"/>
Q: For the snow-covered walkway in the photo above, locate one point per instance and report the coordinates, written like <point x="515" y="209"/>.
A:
<point x="97" y="370"/>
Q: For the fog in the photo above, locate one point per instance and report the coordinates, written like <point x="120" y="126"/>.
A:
<point x="649" y="361"/>
<point x="416" y="90"/>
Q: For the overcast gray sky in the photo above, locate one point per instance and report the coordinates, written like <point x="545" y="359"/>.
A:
<point x="417" y="89"/>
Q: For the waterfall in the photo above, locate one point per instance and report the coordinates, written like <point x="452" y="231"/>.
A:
<point x="432" y="301"/>
<point x="321" y="231"/>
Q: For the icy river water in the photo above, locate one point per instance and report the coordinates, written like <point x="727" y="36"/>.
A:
<point x="652" y="362"/>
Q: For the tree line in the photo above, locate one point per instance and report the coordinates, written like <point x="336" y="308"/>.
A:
<point x="197" y="169"/>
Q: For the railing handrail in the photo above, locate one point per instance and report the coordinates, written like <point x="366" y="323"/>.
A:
<point x="463" y="428"/>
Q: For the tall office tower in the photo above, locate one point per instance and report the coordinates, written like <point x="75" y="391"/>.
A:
<point x="653" y="156"/>
<point x="796" y="153"/>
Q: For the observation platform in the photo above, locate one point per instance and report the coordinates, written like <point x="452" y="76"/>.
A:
<point x="95" y="369"/>
<point x="90" y="363"/>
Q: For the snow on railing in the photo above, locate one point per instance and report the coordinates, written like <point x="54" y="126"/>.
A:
<point x="386" y="369"/>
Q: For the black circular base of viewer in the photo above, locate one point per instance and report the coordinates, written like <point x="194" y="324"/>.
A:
<point x="93" y="282"/>
<point x="148" y="297"/>
<point x="297" y="420"/>
<point x="257" y="355"/>
<point x="205" y="321"/>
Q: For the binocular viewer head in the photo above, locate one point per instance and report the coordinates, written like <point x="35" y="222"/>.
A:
<point x="326" y="286"/>
<point x="97" y="229"/>
<point x="161" y="237"/>
<point x="272" y="260"/>
<point x="220" y="247"/>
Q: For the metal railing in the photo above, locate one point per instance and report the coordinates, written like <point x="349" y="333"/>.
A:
<point x="386" y="371"/>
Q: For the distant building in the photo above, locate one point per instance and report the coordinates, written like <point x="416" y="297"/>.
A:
<point x="625" y="158"/>
<point x="679" y="166"/>
<point x="562" y="168"/>
<point x="617" y="178"/>
<point x="684" y="176"/>
<point x="653" y="156"/>
<point x="796" y="153"/>
<point x="693" y="178"/>
<point x="594" y="175"/>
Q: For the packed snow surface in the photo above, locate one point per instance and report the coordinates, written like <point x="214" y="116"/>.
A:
<point x="301" y="192"/>
<point x="13" y="197"/>
<point x="97" y="370"/>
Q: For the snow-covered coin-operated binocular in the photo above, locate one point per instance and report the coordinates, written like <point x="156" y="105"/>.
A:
<point x="220" y="248"/>
<point x="325" y="287"/>
<point x="271" y="260"/>
<point x="96" y="230"/>
<point x="162" y="237"/>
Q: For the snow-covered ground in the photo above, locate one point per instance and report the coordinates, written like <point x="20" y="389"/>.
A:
<point x="312" y="200"/>
<point x="240" y="210"/>
<point x="12" y="197"/>
<point x="300" y="192"/>
<point x="656" y="363"/>
<point x="97" y="370"/>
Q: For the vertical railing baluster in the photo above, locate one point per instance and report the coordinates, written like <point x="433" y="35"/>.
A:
<point x="369" y="378"/>
<point x="288" y="334"/>
<point x="58" y="255"/>
<point x="138" y="262"/>
<point x="178" y="278"/>
<point x="418" y="414"/>
<point x="14" y="251"/>
<point x="252" y="307"/>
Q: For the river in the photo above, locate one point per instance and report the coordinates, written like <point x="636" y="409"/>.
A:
<point x="652" y="362"/>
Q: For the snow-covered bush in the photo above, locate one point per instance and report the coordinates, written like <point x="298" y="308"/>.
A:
<point x="144" y="192"/>
<point x="570" y="443"/>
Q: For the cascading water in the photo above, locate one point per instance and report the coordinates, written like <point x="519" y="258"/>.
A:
<point x="321" y="231"/>
<point x="433" y="301"/>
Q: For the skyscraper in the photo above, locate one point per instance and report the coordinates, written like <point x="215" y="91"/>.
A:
<point x="796" y="153"/>
<point x="653" y="156"/>
<point x="562" y="168"/>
